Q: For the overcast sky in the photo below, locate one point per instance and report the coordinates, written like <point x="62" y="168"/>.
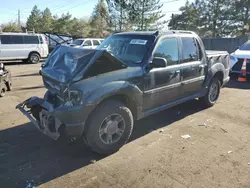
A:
<point x="78" y="8"/>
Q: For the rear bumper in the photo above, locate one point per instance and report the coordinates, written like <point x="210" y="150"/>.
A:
<point x="56" y="122"/>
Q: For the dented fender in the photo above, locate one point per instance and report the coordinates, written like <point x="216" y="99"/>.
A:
<point x="131" y="91"/>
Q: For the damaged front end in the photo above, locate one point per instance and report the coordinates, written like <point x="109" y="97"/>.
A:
<point x="40" y="113"/>
<point x="64" y="110"/>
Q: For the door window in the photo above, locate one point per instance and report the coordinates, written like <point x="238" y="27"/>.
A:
<point x="96" y="43"/>
<point x="6" y="39"/>
<point x="168" y="49"/>
<point x="17" y="39"/>
<point x="87" y="43"/>
<point x="189" y="50"/>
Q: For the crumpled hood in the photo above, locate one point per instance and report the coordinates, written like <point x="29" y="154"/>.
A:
<point x="66" y="64"/>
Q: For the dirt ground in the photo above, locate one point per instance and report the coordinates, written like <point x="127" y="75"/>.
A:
<point x="216" y="155"/>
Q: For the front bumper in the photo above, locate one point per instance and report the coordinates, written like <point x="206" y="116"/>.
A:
<point x="56" y="122"/>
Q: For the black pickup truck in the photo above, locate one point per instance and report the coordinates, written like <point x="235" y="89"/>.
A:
<point x="98" y="94"/>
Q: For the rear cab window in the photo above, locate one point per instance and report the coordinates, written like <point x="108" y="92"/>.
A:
<point x="168" y="48"/>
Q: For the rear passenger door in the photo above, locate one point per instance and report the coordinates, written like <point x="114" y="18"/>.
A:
<point x="192" y="66"/>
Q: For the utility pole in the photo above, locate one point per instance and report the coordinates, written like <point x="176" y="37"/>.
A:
<point x="19" y="19"/>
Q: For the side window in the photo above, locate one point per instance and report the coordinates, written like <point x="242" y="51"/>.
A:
<point x="17" y="39"/>
<point x="31" y="40"/>
<point x="88" y="42"/>
<point x="168" y="49"/>
<point x="6" y="39"/>
<point x="189" y="50"/>
<point x="96" y="43"/>
<point x="199" y="50"/>
<point x="41" y="40"/>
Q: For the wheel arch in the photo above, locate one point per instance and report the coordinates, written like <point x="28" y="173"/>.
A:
<point x="35" y="52"/>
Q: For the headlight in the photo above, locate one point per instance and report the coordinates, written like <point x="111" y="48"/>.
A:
<point x="74" y="98"/>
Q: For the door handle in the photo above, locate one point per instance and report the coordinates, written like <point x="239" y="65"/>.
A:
<point x="175" y="73"/>
<point x="201" y="67"/>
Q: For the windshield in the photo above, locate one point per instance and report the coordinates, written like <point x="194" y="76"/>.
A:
<point x="245" y="46"/>
<point x="128" y="48"/>
<point x="77" y="42"/>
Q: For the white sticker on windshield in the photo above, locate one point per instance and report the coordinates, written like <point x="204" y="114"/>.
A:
<point x="138" y="41"/>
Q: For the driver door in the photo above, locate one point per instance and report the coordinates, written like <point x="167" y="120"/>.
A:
<point x="163" y="85"/>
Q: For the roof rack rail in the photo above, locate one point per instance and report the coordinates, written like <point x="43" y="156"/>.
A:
<point x="182" y="31"/>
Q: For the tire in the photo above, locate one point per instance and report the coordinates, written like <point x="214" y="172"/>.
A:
<point x="210" y="98"/>
<point x="103" y="122"/>
<point x="9" y="86"/>
<point x="34" y="58"/>
<point x="2" y="91"/>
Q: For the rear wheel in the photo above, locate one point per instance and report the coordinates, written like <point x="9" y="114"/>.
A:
<point x="109" y="127"/>
<point x="34" y="58"/>
<point x="213" y="93"/>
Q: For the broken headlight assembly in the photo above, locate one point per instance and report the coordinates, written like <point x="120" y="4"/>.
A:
<point x="74" y="98"/>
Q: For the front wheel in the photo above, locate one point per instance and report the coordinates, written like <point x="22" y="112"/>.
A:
<point x="109" y="127"/>
<point x="2" y="91"/>
<point x="213" y="93"/>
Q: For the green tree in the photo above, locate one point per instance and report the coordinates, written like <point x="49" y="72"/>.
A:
<point x="99" y="20"/>
<point x="119" y="14"/>
<point x="144" y="14"/>
<point x="11" y="27"/>
<point x="242" y="10"/>
<point x="47" y="21"/>
<point x="34" y="21"/>
<point x="79" y="28"/>
<point x="62" y="25"/>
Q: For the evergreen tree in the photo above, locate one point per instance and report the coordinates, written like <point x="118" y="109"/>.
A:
<point x="47" y="21"/>
<point x="98" y="20"/>
<point x="34" y="21"/>
<point x="144" y="14"/>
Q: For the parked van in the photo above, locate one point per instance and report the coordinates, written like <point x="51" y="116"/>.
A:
<point x="89" y="43"/>
<point x="23" y="46"/>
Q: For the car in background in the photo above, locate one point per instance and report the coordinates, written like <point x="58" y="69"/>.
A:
<point x="88" y="43"/>
<point x="23" y="46"/>
<point x="237" y="58"/>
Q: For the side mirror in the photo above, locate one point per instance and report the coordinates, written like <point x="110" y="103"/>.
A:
<point x="238" y="47"/>
<point x="159" y="62"/>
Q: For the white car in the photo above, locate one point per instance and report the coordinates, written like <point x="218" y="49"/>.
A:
<point x="23" y="46"/>
<point x="237" y="58"/>
<point x="89" y="43"/>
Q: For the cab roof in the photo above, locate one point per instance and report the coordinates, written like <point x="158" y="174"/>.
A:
<point x="158" y="33"/>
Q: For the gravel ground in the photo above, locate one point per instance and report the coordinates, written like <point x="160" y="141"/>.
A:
<point x="216" y="155"/>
